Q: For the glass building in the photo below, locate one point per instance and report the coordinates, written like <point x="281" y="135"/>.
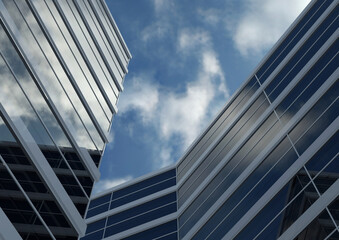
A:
<point x="62" y="67"/>
<point x="267" y="167"/>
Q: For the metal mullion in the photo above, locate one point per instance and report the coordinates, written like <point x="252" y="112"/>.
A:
<point x="231" y="128"/>
<point x="143" y="189"/>
<point x="145" y="226"/>
<point x="303" y="55"/>
<point x="87" y="162"/>
<point x="89" y="29"/>
<point x="304" y="188"/>
<point x="116" y="30"/>
<point x="27" y="198"/>
<point x="310" y="82"/>
<point x="80" y="18"/>
<point x="107" y="37"/>
<point x="69" y="75"/>
<point x="284" y="208"/>
<point x="123" y="53"/>
<point x="290" y="54"/>
<point x="290" y="41"/>
<point x="312" y="212"/>
<point x="290" y="86"/>
<point x="45" y="127"/>
<point x="227" y="129"/>
<point x="103" y="37"/>
<point x="256" y="183"/>
<point x="331" y="233"/>
<point x="140" y="214"/>
<point x="56" y="76"/>
<point x="86" y="59"/>
<point x="276" y="187"/>
<point x="76" y="59"/>
<point x="297" y="152"/>
<point x="285" y="129"/>
<point x="273" y="124"/>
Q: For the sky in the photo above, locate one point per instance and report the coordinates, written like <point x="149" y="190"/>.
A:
<point x="189" y="57"/>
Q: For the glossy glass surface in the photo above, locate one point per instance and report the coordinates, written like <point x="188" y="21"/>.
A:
<point x="131" y="193"/>
<point x="97" y="66"/>
<point x="112" y="34"/>
<point x="229" y="173"/>
<point x="309" y="84"/>
<point x="32" y="183"/>
<point x="18" y="209"/>
<point x="302" y="195"/>
<point x="94" y="236"/>
<point x="320" y="228"/>
<point x="292" y="39"/>
<point x="53" y="77"/>
<point x="231" y="138"/>
<point x="72" y="57"/>
<point x="144" y="184"/>
<point x="303" y="55"/>
<point x="258" y="182"/>
<point x="316" y="119"/>
<point x="226" y="117"/>
<point x="138" y="220"/>
<point x="142" y="193"/>
<point x="155" y="232"/>
<point x="294" y="193"/>
<point x="100" y="39"/>
<point x="97" y="210"/>
<point x="95" y="226"/>
<point x="15" y="97"/>
<point x="100" y="200"/>
<point x="141" y="209"/>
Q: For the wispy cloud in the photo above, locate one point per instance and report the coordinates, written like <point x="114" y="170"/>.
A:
<point x="161" y="27"/>
<point x="103" y="185"/>
<point x="254" y="25"/>
<point x="262" y="23"/>
<point x="141" y="95"/>
<point x="161" y="5"/>
<point x="178" y="117"/>
<point x="190" y="39"/>
<point x="211" y="16"/>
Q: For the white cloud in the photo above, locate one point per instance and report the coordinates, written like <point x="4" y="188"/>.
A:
<point x="141" y="95"/>
<point x="162" y="26"/>
<point x="210" y="16"/>
<point x="161" y="5"/>
<point x="189" y="39"/>
<point x="103" y="185"/>
<point x="179" y="116"/>
<point x="158" y="29"/>
<point x="186" y="114"/>
<point x="262" y="23"/>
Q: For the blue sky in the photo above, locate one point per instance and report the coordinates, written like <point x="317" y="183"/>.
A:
<point x="189" y="57"/>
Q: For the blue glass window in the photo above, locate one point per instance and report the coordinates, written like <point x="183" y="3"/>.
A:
<point x="148" y="206"/>
<point x="92" y="227"/>
<point x="97" y="210"/>
<point x="292" y="39"/>
<point x="142" y="193"/>
<point x="155" y="232"/>
<point x="100" y="200"/>
<point x="303" y="55"/>
<point x="143" y="184"/>
<point x="141" y="219"/>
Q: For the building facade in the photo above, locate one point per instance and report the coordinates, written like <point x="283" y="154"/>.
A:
<point x="267" y="167"/>
<point x="62" y="67"/>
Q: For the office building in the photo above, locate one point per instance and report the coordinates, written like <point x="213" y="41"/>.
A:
<point x="62" y="66"/>
<point x="267" y="167"/>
